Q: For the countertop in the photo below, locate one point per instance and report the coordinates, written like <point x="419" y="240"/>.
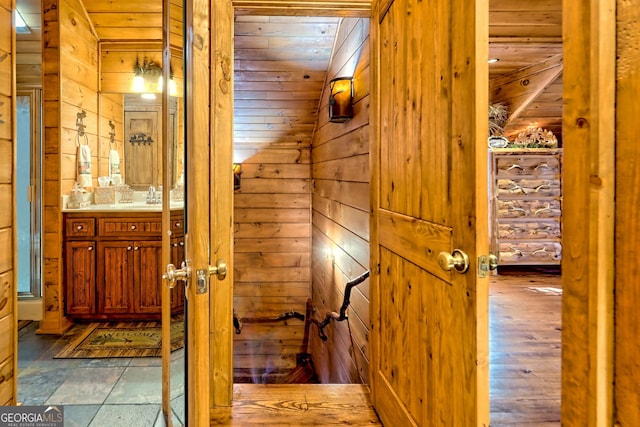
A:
<point x="125" y="207"/>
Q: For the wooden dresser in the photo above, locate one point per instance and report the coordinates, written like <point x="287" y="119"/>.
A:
<point x="113" y="264"/>
<point x="526" y="206"/>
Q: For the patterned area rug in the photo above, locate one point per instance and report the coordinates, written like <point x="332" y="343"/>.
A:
<point x="119" y="339"/>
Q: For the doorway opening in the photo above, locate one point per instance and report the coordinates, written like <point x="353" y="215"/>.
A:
<point x="301" y="201"/>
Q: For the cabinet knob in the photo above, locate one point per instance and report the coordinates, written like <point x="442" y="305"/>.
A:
<point x="181" y="243"/>
<point x="129" y="248"/>
<point x="136" y="248"/>
<point x="177" y="224"/>
<point x="79" y="228"/>
<point x="90" y="248"/>
<point x="133" y="227"/>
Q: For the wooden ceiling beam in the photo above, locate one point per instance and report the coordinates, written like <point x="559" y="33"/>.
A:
<point x="518" y="89"/>
<point x="341" y="8"/>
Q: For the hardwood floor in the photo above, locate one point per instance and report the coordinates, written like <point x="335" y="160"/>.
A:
<point x="525" y="329"/>
<point x="297" y="405"/>
<point x="525" y="344"/>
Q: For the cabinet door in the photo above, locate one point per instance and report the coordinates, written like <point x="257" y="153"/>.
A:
<point x="115" y="279"/>
<point x="148" y="276"/>
<point x="80" y="275"/>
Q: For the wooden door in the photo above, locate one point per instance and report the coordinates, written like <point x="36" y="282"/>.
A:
<point x="429" y="197"/>
<point x="141" y="145"/>
<point x="208" y="206"/>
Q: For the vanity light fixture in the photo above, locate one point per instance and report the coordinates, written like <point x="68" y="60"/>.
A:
<point x="341" y="99"/>
<point x="147" y="79"/>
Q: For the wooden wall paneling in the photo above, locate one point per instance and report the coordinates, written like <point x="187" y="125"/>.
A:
<point x="340" y="168"/>
<point x="8" y="293"/>
<point x="66" y="33"/>
<point x="627" y="222"/>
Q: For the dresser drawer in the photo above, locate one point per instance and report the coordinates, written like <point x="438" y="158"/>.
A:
<point x="528" y="187"/>
<point x="529" y="252"/>
<point x="534" y="166"/>
<point x="80" y="227"/>
<point x="527" y="208"/>
<point x="529" y="230"/>
<point x="129" y="227"/>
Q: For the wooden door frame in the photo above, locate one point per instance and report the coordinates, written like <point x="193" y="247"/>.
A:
<point x="599" y="282"/>
<point x="588" y="218"/>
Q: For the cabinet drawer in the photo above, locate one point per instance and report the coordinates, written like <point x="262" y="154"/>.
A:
<point x="534" y="166"/>
<point x="80" y="227"/>
<point x="530" y="253"/>
<point x="177" y="225"/>
<point x="528" y="208"/>
<point x="129" y="227"/>
<point x="526" y="187"/>
<point x="529" y="230"/>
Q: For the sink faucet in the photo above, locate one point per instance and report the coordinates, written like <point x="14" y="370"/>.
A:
<point x="153" y="196"/>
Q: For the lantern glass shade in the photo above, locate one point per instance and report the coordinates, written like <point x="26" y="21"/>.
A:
<point x="341" y="100"/>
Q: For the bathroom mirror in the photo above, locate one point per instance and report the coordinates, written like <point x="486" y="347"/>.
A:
<point x="131" y="114"/>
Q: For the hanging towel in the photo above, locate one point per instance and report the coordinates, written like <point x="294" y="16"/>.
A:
<point x="84" y="166"/>
<point x="114" y="167"/>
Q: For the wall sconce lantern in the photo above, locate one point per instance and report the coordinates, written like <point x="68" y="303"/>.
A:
<point x="237" y="171"/>
<point x="341" y="99"/>
<point x="147" y="78"/>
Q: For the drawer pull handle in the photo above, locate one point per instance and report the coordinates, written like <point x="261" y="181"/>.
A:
<point x="542" y="165"/>
<point x="133" y="227"/>
<point x="516" y="188"/>
<point x="545" y="230"/>
<point x="80" y="228"/>
<point x="516" y="251"/>
<point x="542" y="187"/>
<point x="515" y="166"/>
<point x="542" y="250"/>
<point x="547" y="208"/>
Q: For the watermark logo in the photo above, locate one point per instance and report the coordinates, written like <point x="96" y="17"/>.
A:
<point x="31" y="416"/>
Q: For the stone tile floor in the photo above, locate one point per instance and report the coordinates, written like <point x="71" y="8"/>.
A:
<point x="109" y="392"/>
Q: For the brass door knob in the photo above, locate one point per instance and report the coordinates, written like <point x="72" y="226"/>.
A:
<point x="457" y="260"/>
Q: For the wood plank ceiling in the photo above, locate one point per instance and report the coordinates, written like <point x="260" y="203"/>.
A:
<point x="281" y="62"/>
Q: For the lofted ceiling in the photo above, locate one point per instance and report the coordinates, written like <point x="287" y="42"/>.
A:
<point x="281" y="62"/>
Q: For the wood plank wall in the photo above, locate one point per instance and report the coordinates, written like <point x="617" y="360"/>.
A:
<point x="272" y="209"/>
<point x="340" y="159"/>
<point x="627" y="220"/>
<point x="70" y="50"/>
<point x="8" y="323"/>
<point x="29" y="58"/>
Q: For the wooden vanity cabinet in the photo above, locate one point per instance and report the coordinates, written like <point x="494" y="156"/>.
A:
<point x="114" y="268"/>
